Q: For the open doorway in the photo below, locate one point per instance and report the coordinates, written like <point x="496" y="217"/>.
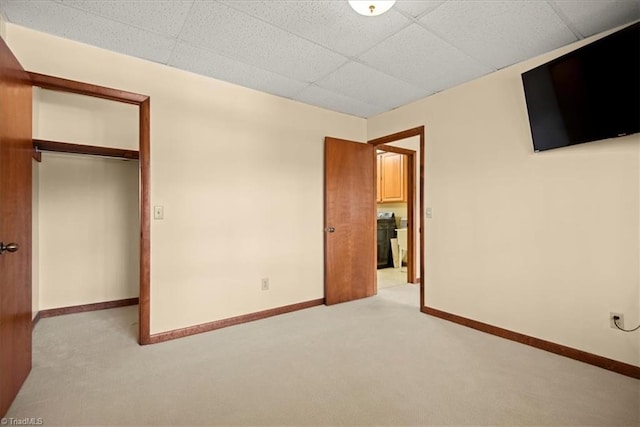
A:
<point x="86" y="206"/>
<point x="138" y="171"/>
<point x="399" y="205"/>
<point x="350" y="215"/>
<point x="86" y="235"/>
<point x="392" y="184"/>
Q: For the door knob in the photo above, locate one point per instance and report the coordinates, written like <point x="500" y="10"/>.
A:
<point x="11" y="247"/>
<point x="330" y="229"/>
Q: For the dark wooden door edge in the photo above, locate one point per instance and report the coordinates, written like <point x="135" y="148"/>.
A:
<point x="572" y="353"/>
<point x="144" y="152"/>
<point x="218" y="324"/>
<point x="92" y="150"/>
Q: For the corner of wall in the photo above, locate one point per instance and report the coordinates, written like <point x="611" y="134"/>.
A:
<point x="3" y="20"/>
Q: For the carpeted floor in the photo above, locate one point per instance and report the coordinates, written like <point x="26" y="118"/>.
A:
<point x="389" y="277"/>
<point x="374" y="361"/>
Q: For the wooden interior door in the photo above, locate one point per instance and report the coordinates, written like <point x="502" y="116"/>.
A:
<point x="15" y="226"/>
<point x="350" y="221"/>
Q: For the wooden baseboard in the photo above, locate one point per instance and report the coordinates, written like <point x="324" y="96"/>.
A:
<point x="572" y="353"/>
<point x="35" y="320"/>
<point x="218" y="324"/>
<point x="84" y="307"/>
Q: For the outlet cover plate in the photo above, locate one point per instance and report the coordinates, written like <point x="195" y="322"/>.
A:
<point x="620" y="321"/>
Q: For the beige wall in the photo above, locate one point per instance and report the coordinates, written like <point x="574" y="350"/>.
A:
<point x="86" y="120"/>
<point x="2" y="26"/>
<point x="545" y="244"/>
<point x="240" y="176"/>
<point x="88" y="229"/>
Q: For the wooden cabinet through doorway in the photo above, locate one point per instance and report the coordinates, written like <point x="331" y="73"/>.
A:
<point x="392" y="178"/>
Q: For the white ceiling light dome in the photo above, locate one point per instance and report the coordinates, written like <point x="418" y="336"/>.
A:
<point x="371" y="7"/>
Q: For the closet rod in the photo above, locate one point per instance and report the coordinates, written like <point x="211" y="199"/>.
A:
<point x="92" y="150"/>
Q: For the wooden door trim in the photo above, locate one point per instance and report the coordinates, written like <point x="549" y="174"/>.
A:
<point x="392" y="149"/>
<point x="398" y="136"/>
<point x="144" y="150"/>
<point x="91" y="150"/>
<point x="71" y="86"/>
<point x="144" y="161"/>
<point x="417" y="131"/>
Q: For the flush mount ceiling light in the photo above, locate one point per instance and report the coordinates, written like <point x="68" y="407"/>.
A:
<point x="370" y="7"/>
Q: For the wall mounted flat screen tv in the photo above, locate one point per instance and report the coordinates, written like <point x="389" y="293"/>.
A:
<point x="589" y="94"/>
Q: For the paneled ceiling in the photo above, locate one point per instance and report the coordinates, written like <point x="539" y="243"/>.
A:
<point x="322" y="52"/>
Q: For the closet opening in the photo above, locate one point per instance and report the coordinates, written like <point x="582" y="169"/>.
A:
<point x="91" y="201"/>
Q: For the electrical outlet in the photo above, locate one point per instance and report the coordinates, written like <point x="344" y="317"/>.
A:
<point x="265" y="283"/>
<point x="620" y="320"/>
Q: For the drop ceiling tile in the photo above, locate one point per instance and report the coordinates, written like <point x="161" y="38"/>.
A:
<point x="500" y="33"/>
<point x="60" y="20"/>
<point x="332" y="24"/>
<point x="371" y="86"/>
<point x="324" y="98"/>
<point x="162" y="16"/>
<point x="209" y="64"/>
<point x="434" y="64"/>
<point x="225" y="31"/>
<point x="417" y="8"/>
<point x="594" y="16"/>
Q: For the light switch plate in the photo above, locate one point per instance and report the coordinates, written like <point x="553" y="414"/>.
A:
<point x="158" y="212"/>
<point x="429" y="213"/>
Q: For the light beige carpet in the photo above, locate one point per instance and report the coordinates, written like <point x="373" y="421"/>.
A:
<point x="377" y="361"/>
<point x="389" y="277"/>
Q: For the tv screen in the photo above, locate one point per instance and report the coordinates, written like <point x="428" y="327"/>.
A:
<point x="589" y="94"/>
